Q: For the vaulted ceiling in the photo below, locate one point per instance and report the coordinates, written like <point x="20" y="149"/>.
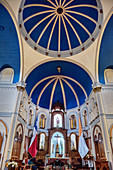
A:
<point x="61" y="81"/>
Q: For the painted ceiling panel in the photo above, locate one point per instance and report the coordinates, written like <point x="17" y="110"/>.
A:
<point x="70" y="98"/>
<point x="58" y="94"/>
<point x="45" y="99"/>
<point x="70" y="75"/>
<point x="38" y="90"/>
<point x="78" y="91"/>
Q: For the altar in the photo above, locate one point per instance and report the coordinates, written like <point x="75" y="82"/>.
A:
<point x="63" y="160"/>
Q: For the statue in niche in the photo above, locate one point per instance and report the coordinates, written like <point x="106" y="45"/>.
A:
<point x="73" y="142"/>
<point x="61" y="147"/>
<point x="42" y="141"/>
<point x="53" y="148"/>
<point x="57" y="149"/>
<point x="57" y="121"/>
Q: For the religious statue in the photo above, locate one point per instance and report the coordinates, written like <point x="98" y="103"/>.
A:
<point x="61" y="147"/>
<point x="57" y="149"/>
<point x="57" y="121"/>
<point x="53" y="148"/>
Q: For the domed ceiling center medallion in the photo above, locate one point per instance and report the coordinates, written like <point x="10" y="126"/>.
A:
<point x="60" y="28"/>
<point x="60" y="10"/>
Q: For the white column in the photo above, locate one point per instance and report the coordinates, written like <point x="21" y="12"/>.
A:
<point x="10" y="139"/>
<point x="23" y="140"/>
<point x="105" y="135"/>
<point x="2" y="149"/>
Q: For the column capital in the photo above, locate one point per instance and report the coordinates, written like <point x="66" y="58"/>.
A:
<point x="86" y="101"/>
<point x="29" y="100"/>
<point x="96" y="87"/>
<point x="21" y="86"/>
<point x="37" y="108"/>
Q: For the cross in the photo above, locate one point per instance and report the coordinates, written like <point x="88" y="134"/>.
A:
<point x="57" y="136"/>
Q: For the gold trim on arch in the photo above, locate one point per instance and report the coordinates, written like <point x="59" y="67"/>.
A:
<point x="58" y="77"/>
<point x="77" y="84"/>
<point x="72" y="91"/>
<point x="39" y="83"/>
<point x="52" y="93"/>
<point x="44" y="90"/>
<point x="63" y="93"/>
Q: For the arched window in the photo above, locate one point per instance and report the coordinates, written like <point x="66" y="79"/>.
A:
<point x="85" y="118"/>
<point x="3" y="139"/>
<point x="73" y="142"/>
<point x="108" y="76"/>
<point x="17" y="141"/>
<point x="42" y="141"/>
<point x="73" y="122"/>
<point x="6" y="75"/>
<point x="57" y="120"/>
<point x="42" y="121"/>
<point x="111" y="138"/>
<point x="98" y="141"/>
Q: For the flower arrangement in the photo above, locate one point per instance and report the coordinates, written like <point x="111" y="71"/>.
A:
<point x="89" y="156"/>
<point x="11" y="163"/>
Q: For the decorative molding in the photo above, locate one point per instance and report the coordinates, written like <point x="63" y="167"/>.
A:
<point x="95" y="121"/>
<point x="21" y="119"/>
<point x="21" y="86"/>
<point x="8" y="85"/>
<point x="6" y="114"/>
<point x="96" y="87"/>
<point x="109" y="116"/>
<point x="30" y="127"/>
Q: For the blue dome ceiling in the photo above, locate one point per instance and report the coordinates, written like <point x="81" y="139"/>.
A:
<point x="60" y="28"/>
<point x="60" y="81"/>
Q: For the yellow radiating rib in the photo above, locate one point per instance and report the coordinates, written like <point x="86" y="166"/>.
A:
<point x="63" y="2"/>
<point x="51" y="3"/>
<point x="72" y="91"/>
<point x="73" y="30"/>
<point x="33" y="5"/>
<point x="86" y="16"/>
<point x="63" y="93"/>
<point x="76" y="83"/>
<point x="43" y="12"/>
<point x="59" y="34"/>
<point x="68" y="3"/>
<point x="66" y="33"/>
<point x="40" y="23"/>
<point x="56" y="2"/>
<point x="39" y="83"/>
<point x="60" y="2"/>
<point x="44" y="90"/>
<point x="83" y="5"/>
<point x="79" y="24"/>
<point x="52" y="93"/>
<point x="45" y="28"/>
<point x="52" y="32"/>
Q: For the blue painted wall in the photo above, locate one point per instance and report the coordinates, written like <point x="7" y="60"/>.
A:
<point x="9" y="44"/>
<point x="106" y="50"/>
